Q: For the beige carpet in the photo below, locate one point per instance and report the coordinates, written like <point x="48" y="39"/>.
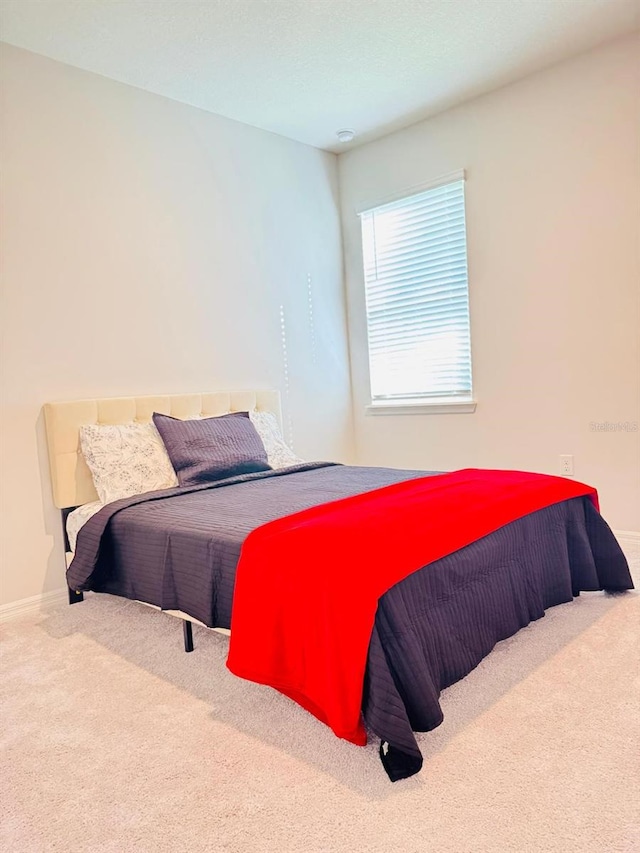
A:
<point x="115" y="740"/>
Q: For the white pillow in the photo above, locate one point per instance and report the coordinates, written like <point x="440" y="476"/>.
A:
<point x="278" y="454"/>
<point x="126" y="459"/>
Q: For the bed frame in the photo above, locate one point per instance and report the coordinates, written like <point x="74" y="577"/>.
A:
<point x="71" y="481"/>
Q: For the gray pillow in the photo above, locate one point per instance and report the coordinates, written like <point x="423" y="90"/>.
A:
<point x="212" y="448"/>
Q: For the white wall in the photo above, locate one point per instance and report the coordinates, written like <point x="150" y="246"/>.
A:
<point x="147" y="248"/>
<point x="553" y="217"/>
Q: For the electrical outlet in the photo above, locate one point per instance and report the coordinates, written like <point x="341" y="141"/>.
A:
<point x="566" y="465"/>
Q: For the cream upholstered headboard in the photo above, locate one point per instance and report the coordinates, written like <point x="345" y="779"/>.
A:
<point x="71" y="479"/>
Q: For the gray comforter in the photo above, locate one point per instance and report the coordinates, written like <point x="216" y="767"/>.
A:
<point x="178" y="549"/>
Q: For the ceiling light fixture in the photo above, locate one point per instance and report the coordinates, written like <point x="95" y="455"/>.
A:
<point x="345" y="135"/>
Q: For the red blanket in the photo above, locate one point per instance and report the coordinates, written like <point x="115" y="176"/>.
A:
<point x="308" y="585"/>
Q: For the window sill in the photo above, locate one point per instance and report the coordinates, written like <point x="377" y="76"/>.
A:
<point x="420" y="407"/>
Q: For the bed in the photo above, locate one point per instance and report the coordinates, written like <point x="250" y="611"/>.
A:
<point x="178" y="549"/>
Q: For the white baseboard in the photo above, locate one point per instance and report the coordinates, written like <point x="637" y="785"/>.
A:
<point x="34" y="604"/>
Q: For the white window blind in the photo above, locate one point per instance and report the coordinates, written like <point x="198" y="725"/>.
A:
<point x="415" y="268"/>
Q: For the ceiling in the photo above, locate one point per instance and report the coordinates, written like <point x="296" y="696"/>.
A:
<point x="307" y="68"/>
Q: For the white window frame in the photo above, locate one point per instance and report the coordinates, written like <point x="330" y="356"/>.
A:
<point x="417" y="405"/>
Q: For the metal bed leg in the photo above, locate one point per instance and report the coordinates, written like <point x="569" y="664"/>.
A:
<point x="74" y="594"/>
<point x="187" y="631"/>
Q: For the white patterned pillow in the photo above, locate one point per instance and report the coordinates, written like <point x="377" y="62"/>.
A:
<point x="267" y="427"/>
<point x="126" y="459"/>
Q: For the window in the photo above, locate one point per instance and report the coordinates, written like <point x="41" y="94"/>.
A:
<point x="415" y="271"/>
